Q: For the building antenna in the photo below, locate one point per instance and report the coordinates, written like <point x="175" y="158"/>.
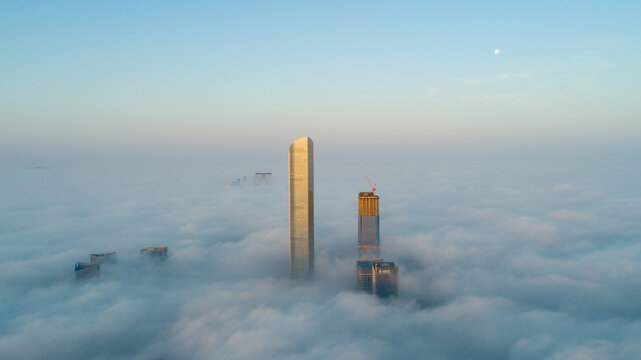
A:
<point x="373" y="186"/>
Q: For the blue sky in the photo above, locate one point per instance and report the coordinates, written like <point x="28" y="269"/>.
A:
<point x="204" y="72"/>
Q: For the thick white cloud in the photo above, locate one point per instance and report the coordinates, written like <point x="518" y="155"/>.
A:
<point x="510" y="268"/>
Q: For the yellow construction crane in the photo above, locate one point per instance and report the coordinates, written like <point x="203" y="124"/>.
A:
<point x="373" y="186"/>
<point x="367" y="247"/>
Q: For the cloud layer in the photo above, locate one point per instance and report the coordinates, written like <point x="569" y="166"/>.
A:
<point x="493" y="264"/>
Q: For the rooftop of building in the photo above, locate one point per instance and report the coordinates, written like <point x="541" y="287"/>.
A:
<point x="367" y="194"/>
<point x="379" y="263"/>
<point x="105" y="254"/>
<point x="83" y="265"/>
<point x="160" y="249"/>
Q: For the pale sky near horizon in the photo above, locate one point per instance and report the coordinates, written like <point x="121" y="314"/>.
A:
<point x="119" y="72"/>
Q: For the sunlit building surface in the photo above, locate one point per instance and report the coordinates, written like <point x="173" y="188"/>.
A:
<point x="155" y="252"/>
<point x="377" y="277"/>
<point x="385" y="276"/>
<point x="101" y="258"/>
<point x="301" y="207"/>
<point x="373" y="275"/>
<point x="365" y="275"/>
<point x="85" y="270"/>
<point x="368" y="223"/>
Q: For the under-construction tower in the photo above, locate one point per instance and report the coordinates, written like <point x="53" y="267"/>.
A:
<point x="373" y="275"/>
<point x="368" y="221"/>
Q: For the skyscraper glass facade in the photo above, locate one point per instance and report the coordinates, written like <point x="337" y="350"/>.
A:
<point x="368" y="224"/>
<point x="385" y="282"/>
<point x="301" y="207"/>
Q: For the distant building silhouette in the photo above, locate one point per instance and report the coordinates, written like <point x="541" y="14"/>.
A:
<point x="263" y="178"/>
<point x="101" y="258"/>
<point x="85" y="270"/>
<point x="301" y="207"/>
<point x="155" y="252"/>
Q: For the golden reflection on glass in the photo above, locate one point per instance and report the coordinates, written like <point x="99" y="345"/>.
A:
<point x="301" y="207"/>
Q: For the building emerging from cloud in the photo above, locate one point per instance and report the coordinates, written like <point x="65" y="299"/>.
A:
<point x="365" y="275"/>
<point x="301" y="207"/>
<point x="377" y="277"/>
<point x="368" y="223"/>
<point x="85" y="270"/>
<point x="104" y="257"/>
<point x="385" y="279"/>
<point x="155" y="252"/>
<point x="263" y="178"/>
<point x="373" y="275"/>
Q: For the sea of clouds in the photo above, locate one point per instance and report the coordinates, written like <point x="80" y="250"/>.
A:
<point x="499" y="259"/>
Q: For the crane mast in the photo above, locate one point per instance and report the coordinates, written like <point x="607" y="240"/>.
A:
<point x="373" y="186"/>
<point x="367" y="247"/>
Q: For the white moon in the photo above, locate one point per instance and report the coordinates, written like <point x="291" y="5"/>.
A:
<point x="497" y="51"/>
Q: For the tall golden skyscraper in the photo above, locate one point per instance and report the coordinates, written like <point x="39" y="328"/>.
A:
<point x="301" y="207"/>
